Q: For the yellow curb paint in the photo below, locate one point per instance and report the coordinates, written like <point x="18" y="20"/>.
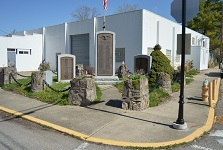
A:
<point x="45" y="123"/>
<point x="199" y="132"/>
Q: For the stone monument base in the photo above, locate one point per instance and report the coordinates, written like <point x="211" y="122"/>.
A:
<point x="106" y="80"/>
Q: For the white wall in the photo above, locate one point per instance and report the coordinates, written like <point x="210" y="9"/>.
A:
<point x="128" y="30"/>
<point x="23" y="62"/>
<point x="54" y="39"/>
<point x="159" y="30"/>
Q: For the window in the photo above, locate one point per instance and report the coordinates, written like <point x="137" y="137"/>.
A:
<point x="193" y="41"/>
<point x="119" y="54"/>
<point x="24" y="51"/>
<point x="168" y="54"/>
<point x="149" y="50"/>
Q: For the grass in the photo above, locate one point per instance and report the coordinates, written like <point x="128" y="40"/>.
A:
<point x="191" y="73"/>
<point x="155" y="97"/>
<point x="47" y="95"/>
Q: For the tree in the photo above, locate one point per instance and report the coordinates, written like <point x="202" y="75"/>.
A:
<point x="84" y="12"/>
<point x="208" y="21"/>
<point x="160" y="63"/>
<point x="127" y="7"/>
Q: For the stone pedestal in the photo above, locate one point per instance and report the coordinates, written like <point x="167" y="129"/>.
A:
<point x="37" y="81"/>
<point x="5" y="77"/>
<point x="82" y="92"/>
<point x="135" y="95"/>
<point x="165" y="82"/>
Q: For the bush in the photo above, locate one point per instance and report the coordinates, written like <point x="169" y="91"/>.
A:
<point x="44" y="66"/>
<point x="160" y="63"/>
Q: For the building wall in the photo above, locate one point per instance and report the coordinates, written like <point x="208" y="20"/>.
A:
<point x="128" y="31"/>
<point x="82" y="27"/>
<point x="27" y="42"/>
<point x="135" y="31"/>
<point x="159" y="30"/>
<point x="54" y="42"/>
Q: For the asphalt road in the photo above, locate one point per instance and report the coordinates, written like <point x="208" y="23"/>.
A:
<point x="20" y="134"/>
<point x="214" y="139"/>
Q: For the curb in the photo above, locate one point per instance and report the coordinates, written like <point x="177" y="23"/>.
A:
<point x="199" y="132"/>
<point x="196" y="134"/>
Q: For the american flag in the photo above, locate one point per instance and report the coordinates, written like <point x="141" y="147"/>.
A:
<point x="105" y="4"/>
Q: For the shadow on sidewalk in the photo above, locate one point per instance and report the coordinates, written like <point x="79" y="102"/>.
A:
<point x="28" y="111"/>
<point x="114" y="103"/>
<point x="149" y="121"/>
<point x="213" y="74"/>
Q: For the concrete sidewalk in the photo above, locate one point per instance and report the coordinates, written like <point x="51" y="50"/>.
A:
<point x="107" y="123"/>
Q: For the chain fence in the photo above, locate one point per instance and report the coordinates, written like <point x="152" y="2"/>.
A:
<point x="55" y="90"/>
<point x="20" y="84"/>
<point x="23" y="75"/>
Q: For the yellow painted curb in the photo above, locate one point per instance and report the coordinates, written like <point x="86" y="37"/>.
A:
<point x="199" y="132"/>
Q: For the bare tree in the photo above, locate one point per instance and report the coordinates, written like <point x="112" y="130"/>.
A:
<point x="127" y="7"/>
<point x="84" y="12"/>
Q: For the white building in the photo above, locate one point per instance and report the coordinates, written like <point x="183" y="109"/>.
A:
<point x="137" y="32"/>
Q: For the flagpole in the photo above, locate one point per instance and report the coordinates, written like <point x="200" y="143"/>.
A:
<point x="104" y="20"/>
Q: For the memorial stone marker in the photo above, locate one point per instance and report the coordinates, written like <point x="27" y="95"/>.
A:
<point x="105" y="58"/>
<point x="143" y="62"/>
<point x="66" y="67"/>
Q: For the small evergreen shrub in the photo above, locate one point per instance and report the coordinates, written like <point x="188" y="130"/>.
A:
<point x="160" y="63"/>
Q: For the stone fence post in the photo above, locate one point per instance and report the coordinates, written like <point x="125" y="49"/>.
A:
<point x="82" y="92"/>
<point x="5" y="77"/>
<point x="37" y="81"/>
<point x="165" y="82"/>
<point x="136" y="94"/>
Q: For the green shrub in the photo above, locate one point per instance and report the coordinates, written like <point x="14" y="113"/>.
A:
<point x="156" y="97"/>
<point x="175" y="87"/>
<point x="160" y="63"/>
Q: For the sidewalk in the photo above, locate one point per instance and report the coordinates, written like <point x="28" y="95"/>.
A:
<point x="107" y="123"/>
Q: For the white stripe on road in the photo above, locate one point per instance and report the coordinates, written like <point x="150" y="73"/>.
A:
<point x="82" y="146"/>
<point x="218" y="133"/>
<point x="200" y="147"/>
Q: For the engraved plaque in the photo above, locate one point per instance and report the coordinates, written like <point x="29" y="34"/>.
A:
<point x="105" y="54"/>
<point x="141" y="63"/>
<point x="66" y="65"/>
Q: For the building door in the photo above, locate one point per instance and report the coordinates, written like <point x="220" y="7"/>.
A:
<point x="11" y="55"/>
<point x="80" y="48"/>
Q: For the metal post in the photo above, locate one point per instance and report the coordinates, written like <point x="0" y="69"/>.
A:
<point x="220" y="58"/>
<point x="180" y="119"/>
<point x="104" y="20"/>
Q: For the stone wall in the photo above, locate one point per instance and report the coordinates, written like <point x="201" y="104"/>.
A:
<point x="135" y="95"/>
<point x="5" y="77"/>
<point x="82" y="92"/>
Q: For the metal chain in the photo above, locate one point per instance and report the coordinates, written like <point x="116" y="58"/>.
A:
<point x="55" y="90"/>
<point x="53" y="72"/>
<point x="20" y="84"/>
<point x="22" y="75"/>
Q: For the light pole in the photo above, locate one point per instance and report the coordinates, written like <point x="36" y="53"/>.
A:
<point x="180" y="124"/>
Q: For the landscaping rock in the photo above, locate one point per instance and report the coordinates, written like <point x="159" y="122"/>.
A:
<point x="37" y="82"/>
<point x="135" y="95"/>
<point x="5" y="77"/>
<point x="82" y="92"/>
<point x="165" y="82"/>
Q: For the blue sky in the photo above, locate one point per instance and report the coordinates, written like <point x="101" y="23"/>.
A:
<point x="31" y="14"/>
